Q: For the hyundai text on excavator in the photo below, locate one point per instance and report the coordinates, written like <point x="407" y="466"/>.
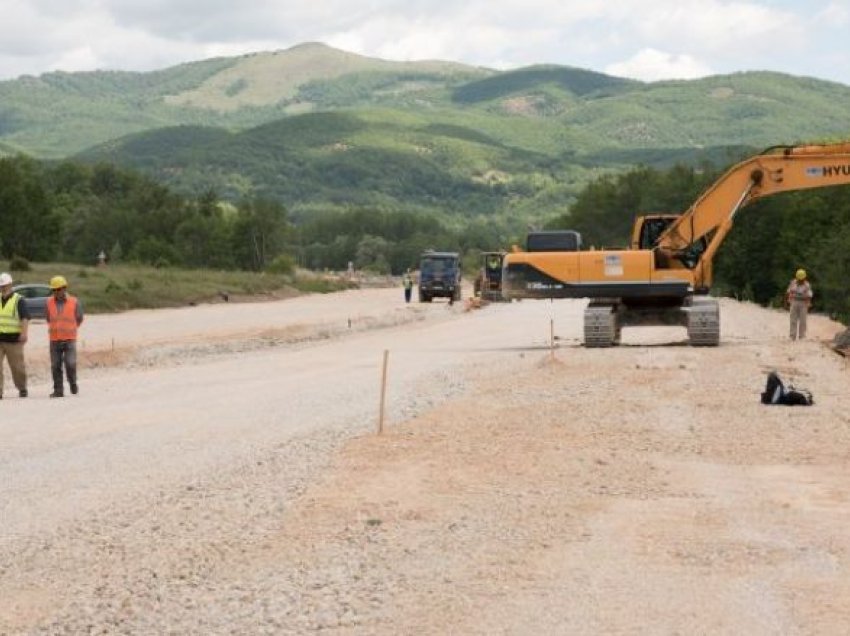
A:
<point x="665" y="275"/>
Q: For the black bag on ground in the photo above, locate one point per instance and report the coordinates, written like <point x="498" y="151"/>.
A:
<point x="775" y="392"/>
<point x="798" y="397"/>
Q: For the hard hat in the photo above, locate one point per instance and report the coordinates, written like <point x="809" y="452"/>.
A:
<point x="801" y="274"/>
<point x="58" y="282"/>
<point x="5" y="279"/>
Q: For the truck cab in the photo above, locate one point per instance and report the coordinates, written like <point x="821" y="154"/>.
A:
<point x="439" y="276"/>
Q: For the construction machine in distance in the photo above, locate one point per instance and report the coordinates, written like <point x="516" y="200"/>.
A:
<point x="488" y="282"/>
<point x="665" y="275"/>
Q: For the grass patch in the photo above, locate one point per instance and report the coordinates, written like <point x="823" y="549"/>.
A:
<point x="122" y="287"/>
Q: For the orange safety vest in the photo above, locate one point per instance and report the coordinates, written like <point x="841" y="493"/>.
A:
<point x="62" y="326"/>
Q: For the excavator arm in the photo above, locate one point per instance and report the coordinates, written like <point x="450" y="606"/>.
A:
<point x="777" y="169"/>
<point x="662" y="279"/>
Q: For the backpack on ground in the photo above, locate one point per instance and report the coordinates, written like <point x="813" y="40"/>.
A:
<point x="798" y="397"/>
<point x="775" y="392"/>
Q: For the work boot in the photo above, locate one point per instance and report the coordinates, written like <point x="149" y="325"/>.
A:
<point x="23" y="393"/>
<point x="57" y="394"/>
<point x="74" y="389"/>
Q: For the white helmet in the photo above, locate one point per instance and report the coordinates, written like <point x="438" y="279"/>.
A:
<point x="5" y="279"/>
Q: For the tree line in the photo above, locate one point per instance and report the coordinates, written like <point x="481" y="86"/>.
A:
<point x="72" y="211"/>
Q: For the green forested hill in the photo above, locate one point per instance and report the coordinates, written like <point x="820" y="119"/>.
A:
<point x="58" y="114"/>
<point x="320" y="130"/>
<point x="387" y="159"/>
<point x="574" y="81"/>
<point x="331" y="160"/>
<point x="550" y="109"/>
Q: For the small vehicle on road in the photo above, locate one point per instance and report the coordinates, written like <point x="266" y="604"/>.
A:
<point x="36" y="295"/>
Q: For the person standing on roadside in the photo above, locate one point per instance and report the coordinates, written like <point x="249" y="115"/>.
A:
<point x="407" y="282"/>
<point x="799" y="299"/>
<point x="64" y="316"/>
<point x="14" y="326"/>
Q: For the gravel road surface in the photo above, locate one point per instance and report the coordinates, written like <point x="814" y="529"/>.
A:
<point x="219" y="474"/>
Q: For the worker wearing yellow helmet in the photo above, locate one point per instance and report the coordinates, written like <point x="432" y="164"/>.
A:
<point x="64" y="316"/>
<point x="799" y="299"/>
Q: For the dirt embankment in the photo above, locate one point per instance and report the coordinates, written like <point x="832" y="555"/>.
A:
<point x="637" y="489"/>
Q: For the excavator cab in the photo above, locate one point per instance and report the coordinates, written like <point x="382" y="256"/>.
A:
<point x="649" y="228"/>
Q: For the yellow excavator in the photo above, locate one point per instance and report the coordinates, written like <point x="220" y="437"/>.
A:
<point x="664" y="277"/>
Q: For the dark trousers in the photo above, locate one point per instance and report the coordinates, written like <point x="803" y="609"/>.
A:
<point x="407" y="292"/>
<point x="63" y="353"/>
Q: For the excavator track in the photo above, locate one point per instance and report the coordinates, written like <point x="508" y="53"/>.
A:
<point x="601" y="328"/>
<point x="704" y="323"/>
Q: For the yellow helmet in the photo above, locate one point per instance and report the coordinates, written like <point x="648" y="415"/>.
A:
<point x="58" y="282"/>
<point x="801" y="274"/>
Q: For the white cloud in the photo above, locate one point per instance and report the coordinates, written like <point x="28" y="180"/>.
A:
<point x="713" y="25"/>
<point x="401" y="38"/>
<point x="834" y="15"/>
<point x="638" y="38"/>
<point x="650" y="65"/>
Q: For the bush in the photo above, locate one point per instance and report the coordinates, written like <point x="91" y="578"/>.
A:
<point x="19" y="264"/>
<point x="282" y="264"/>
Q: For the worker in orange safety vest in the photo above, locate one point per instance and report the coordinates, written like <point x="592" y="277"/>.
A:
<point x="64" y="316"/>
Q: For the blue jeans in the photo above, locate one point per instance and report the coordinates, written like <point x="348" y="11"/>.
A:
<point x="63" y="353"/>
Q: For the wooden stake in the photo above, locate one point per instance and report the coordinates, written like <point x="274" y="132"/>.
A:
<point x="552" y="329"/>
<point x="552" y="337"/>
<point x="383" y="392"/>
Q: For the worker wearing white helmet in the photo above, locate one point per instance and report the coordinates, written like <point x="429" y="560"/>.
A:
<point x="799" y="299"/>
<point x="14" y="326"/>
<point x="64" y="316"/>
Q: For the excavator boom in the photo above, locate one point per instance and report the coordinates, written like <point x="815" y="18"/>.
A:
<point x="777" y="169"/>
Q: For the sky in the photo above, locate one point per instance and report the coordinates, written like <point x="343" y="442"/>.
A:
<point x="641" y="39"/>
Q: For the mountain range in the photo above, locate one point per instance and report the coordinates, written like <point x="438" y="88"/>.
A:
<point x="318" y="127"/>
